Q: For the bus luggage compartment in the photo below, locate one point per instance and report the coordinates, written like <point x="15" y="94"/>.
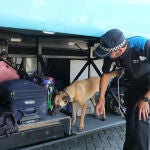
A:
<point x="48" y="129"/>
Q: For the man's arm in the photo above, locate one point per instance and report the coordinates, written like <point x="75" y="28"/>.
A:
<point x="102" y="90"/>
<point x="104" y="81"/>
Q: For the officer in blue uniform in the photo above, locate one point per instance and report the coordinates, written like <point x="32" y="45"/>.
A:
<point x="133" y="54"/>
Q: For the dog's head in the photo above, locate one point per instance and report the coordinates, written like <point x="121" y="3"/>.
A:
<point x="61" y="99"/>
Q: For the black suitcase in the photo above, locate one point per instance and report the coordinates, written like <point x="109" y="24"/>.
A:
<point x="28" y="101"/>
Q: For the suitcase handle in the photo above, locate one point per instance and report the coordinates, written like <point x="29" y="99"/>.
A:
<point x="29" y="112"/>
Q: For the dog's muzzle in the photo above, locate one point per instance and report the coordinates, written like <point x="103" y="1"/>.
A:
<point x="55" y="110"/>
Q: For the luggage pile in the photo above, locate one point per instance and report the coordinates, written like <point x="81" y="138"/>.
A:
<point x="25" y="100"/>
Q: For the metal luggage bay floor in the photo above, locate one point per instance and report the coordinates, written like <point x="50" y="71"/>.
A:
<point x="93" y="123"/>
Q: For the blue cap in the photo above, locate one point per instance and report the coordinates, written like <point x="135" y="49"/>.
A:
<point x="111" y="41"/>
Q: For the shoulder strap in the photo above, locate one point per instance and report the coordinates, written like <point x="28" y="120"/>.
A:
<point x="7" y="62"/>
<point x="8" y="123"/>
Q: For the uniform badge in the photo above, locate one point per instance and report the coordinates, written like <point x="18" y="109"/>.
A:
<point x="142" y="58"/>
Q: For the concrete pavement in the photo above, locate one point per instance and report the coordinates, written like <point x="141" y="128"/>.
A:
<point x="108" y="139"/>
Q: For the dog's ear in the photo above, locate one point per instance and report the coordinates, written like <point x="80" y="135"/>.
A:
<point x="66" y="99"/>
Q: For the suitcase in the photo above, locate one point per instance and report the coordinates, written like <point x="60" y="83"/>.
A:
<point x="28" y="101"/>
<point x="7" y="72"/>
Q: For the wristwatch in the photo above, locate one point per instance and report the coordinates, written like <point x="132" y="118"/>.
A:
<point x="146" y="99"/>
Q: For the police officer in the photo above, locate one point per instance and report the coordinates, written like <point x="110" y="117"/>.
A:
<point x="133" y="54"/>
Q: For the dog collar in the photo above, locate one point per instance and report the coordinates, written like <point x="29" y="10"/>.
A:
<point x="69" y="100"/>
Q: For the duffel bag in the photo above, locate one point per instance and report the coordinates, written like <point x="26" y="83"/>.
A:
<point x="7" y="72"/>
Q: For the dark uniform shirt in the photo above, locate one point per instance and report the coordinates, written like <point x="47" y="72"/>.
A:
<point x="138" y="49"/>
<point x="135" y="61"/>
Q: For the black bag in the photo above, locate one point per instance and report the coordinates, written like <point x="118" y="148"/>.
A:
<point x="8" y="124"/>
<point x="24" y="99"/>
<point x="112" y="102"/>
<point x="115" y="96"/>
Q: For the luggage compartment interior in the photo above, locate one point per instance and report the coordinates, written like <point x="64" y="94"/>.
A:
<point x="50" y="55"/>
<point x="59" y="69"/>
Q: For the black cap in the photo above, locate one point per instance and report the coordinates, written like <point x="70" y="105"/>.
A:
<point x="111" y="41"/>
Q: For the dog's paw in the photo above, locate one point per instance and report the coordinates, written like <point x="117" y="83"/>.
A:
<point x="80" y="129"/>
<point x="103" y="119"/>
<point x="73" y="122"/>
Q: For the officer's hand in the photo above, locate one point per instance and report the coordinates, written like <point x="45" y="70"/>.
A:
<point x="144" y="110"/>
<point x="100" y="108"/>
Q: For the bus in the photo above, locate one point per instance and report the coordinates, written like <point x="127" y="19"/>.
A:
<point x="57" y="39"/>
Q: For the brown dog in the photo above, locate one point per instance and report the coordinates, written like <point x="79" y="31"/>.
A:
<point x="78" y="93"/>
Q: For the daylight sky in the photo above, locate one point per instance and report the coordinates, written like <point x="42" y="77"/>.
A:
<point x="84" y="17"/>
